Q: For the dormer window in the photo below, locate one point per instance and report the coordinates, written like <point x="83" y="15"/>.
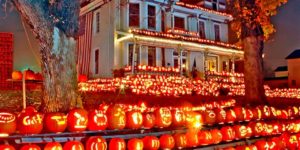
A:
<point x="134" y="15"/>
<point x="179" y="22"/>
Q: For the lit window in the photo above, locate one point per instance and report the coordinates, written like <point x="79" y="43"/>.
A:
<point x="217" y="32"/>
<point x="151" y="17"/>
<point x="134" y="15"/>
<point x="179" y="23"/>
<point x="202" y="29"/>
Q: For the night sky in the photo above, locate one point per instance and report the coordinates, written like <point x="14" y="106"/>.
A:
<point x="285" y="40"/>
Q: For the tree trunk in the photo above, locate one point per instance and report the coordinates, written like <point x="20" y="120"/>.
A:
<point x="253" y="70"/>
<point x="59" y="70"/>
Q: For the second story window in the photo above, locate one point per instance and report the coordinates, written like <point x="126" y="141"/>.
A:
<point x="97" y="22"/>
<point x="215" y="4"/>
<point x="217" y="32"/>
<point x="151" y="17"/>
<point x="179" y="23"/>
<point x="134" y="15"/>
<point x="202" y="29"/>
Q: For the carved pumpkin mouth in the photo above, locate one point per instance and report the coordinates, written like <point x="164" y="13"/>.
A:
<point x="6" y="117"/>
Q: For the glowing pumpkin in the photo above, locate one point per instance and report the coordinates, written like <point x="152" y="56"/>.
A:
<point x="116" y="117"/>
<point x="230" y="116"/>
<point x="220" y="115"/>
<point x="163" y="117"/>
<point x="82" y="78"/>
<point x="96" y="143"/>
<point x="209" y="117"/>
<point x="204" y="138"/>
<point x="240" y="131"/>
<point x="148" y="120"/>
<point x="29" y="75"/>
<point x="53" y="146"/>
<point x="257" y="128"/>
<point x="194" y="120"/>
<point x="257" y="114"/>
<point x="134" y="120"/>
<point x="167" y="141"/>
<point x="249" y="114"/>
<point x="216" y="136"/>
<point x="30" y="147"/>
<point x="117" y="144"/>
<point x="178" y="118"/>
<point x="16" y="75"/>
<point x="7" y="147"/>
<point x="180" y="140"/>
<point x="55" y="122"/>
<point x="262" y="145"/>
<point x="151" y="143"/>
<point x="192" y="138"/>
<point x="97" y="120"/>
<point x="8" y="123"/>
<point x="77" y="120"/>
<point x="73" y="145"/>
<point x="228" y="133"/>
<point x="30" y="121"/>
<point x="241" y="113"/>
<point x="135" y="144"/>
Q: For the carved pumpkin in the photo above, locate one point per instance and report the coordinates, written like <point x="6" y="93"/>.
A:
<point x="148" y="120"/>
<point x="73" y="145"/>
<point x="97" y="120"/>
<point x="29" y="75"/>
<point x="151" y="143"/>
<point x="240" y="113"/>
<point x="178" y="118"/>
<point x="53" y="146"/>
<point x="17" y="75"/>
<point x="167" y="141"/>
<point x="96" y="143"/>
<point x="82" y="78"/>
<point x="194" y="120"/>
<point x="249" y="132"/>
<point x="116" y="117"/>
<point x="257" y="128"/>
<point x="216" y="136"/>
<point x="228" y="133"/>
<point x="220" y="115"/>
<point x="8" y="123"/>
<point x="30" y="147"/>
<point x="7" y="147"/>
<point x="249" y="114"/>
<point x="240" y="131"/>
<point x="180" y="140"/>
<point x="204" y="138"/>
<point x="77" y="120"/>
<point x="209" y="117"/>
<point x="262" y="145"/>
<point x="230" y="116"/>
<point x="30" y="121"/>
<point x="163" y="117"/>
<point x="134" y="120"/>
<point x="192" y="138"/>
<point x="257" y="114"/>
<point x="135" y="144"/>
<point x="117" y="144"/>
<point x="55" y="122"/>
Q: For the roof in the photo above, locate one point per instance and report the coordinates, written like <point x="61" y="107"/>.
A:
<point x="281" y="68"/>
<point x="295" y="54"/>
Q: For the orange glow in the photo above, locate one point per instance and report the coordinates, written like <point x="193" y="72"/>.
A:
<point x="32" y="120"/>
<point x="6" y="117"/>
<point x="61" y="120"/>
<point x="81" y="122"/>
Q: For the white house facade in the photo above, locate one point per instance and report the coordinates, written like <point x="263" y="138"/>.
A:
<point x="158" y="33"/>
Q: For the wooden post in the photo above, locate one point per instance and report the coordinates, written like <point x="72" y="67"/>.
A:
<point x="24" y="89"/>
<point x="133" y="55"/>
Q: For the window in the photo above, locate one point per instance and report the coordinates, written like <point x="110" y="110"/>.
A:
<point x="134" y="15"/>
<point x="136" y="56"/>
<point x="151" y="17"/>
<point x="293" y="82"/>
<point x="217" y="32"/>
<point x="176" y="57"/>
<point x="162" y="20"/>
<point x="202" y="29"/>
<point x="151" y="56"/>
<point x="179" y="23"/>
<point x="211" y="63"/>
<point x="215" y="4"/>
<point x="97" y="22"/>
<point x="97" y="61"/>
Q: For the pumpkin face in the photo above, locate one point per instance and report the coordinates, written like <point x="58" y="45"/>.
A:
<point x="96" y="143"/>
<point x="117" y="144"/>
<point x="7" y="147"/>
<point x="8" y="123"/>
<point x="216" y="136"/>
<point x="135" y="144"/>
<point x="16" y="75"/>
<point x="148" y="120"/>
<point x="116" y="117"/>
<point x="230" y="116"/>
<point x="97" y="120"/>
<point x="151" y="143"/>
<point x="73" y="145"/>
<point x="240" y="131"/>
<point x="77" y="120"/>
<point x="163" y="117"/>
<point x="228" y="133"/>
<point x="30" y="147"/>
<point x="55" y="122"/>
<point x="209" y="117"/>
<point x="180" y="140"/>
<point x="166" y="142"/>
<point x="220" y="115"/>
<point x="134" y="120"/>
<point x="178" y="118"/>
<point x="53" y="146"/>
<point x="30" y="121"/>
<point x="204" y="138"/>
<point x="192" y="138"/>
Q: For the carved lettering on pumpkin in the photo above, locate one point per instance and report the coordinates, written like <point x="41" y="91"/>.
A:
<point x="61" y="120"/>
<point x="6" y="117"/>
<point x="32" y="120"/>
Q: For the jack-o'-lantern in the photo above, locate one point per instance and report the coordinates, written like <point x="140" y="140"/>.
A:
<point x="194" y="120"/>
<point x="30" y="147"/>
<point x="249" y="132"/>
<point x="262" y="145"/>
<point x="55" y="122"/>
<point x="204" y="138"/>
<point x="82" y="78"/>
<point x="257" y="128"/>
<point x="97" y="120"/>
<point x="266" y="111"/>
<point x="279" y="143"/>
<point x="77" y="120"/>
<point x="240" y="131"/>
<point x="7" y="147"/>
<point x="180" y="140"/>
<point x="256" y="113"/>
<point x="53" y="146"/>
<point x="230" y="116"/>
<point x="8" y="123"/>
<point x="216" y="136"/>
<point x="273" y="112"/>
<point x="228" y="133"/>
<point x="151" y="143"/>
<point x="192" y="138"/>
<point x="38" y="76"/>
<point x="167" y="141"/>
<point x="30" y="121"/>
<point x="29" y="75"/>
<point x="117" y="144"/>
<point x="134" y="119"/>
<point x="73" y="145"/>
<point x="220" y="115"/>
<point x="16" y="75"/>
<point x="240" y="113"/>
<point x="249" y="114"/>
<point x="148" y="120"/>
<point x="163" y="117"/>
<point x="135" y="144"/>
<point x="282" y="114"/>
<point x="209" y="117"/>
<point x="178" y="118"/>
<point x="116" y="117"/>
<point x="96" y="143"/>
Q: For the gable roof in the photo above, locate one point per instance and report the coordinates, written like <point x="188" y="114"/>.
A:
<point x="295" y="54"/>
<point x="281" y="68"/>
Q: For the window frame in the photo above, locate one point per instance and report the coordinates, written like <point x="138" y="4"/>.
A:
<point x="203" y="35"/>
<point x="134" y="16"/>
<point x="174" y="22"/>
<point x="217" y="36"/>
<point x="151" y="17"/>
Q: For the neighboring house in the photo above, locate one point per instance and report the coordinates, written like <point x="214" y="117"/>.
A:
<point x="281" y="71"/>
<point x="293" y="61"/>
<point x="166" y="33"/>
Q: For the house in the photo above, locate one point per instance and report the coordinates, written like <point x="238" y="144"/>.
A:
<point x="293" y="61"/>
<point x="281" y="71"/>
<point x="167" y="33"/>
